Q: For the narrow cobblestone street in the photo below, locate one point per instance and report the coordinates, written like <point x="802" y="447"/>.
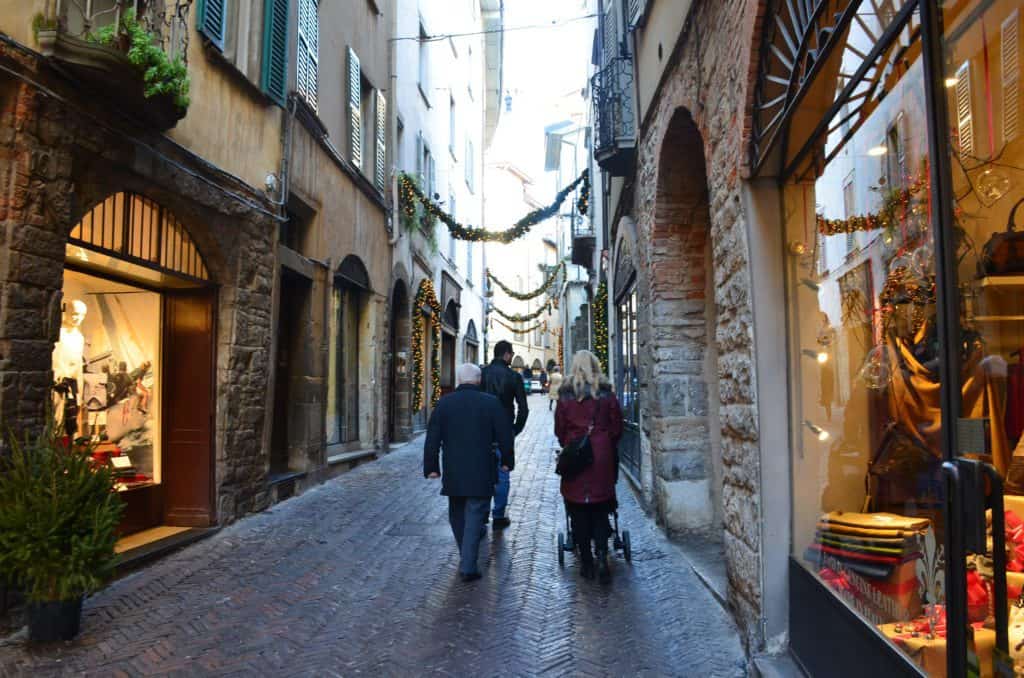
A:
<point x="358" y="577"/>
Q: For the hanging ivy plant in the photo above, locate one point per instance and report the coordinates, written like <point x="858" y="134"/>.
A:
<point x="160" y="74"/>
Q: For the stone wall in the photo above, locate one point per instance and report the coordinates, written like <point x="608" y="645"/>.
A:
<point x="698" y="392"/>
<point x="60" y="154"/>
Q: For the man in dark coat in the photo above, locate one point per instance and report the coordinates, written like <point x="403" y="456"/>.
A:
<point x="468" y="424"/>
<point x="499" y="380"/>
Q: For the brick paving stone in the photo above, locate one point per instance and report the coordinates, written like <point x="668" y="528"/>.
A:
<point x="358" y="577"/>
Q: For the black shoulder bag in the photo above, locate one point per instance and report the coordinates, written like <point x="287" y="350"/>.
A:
<point x="578" y="454"/>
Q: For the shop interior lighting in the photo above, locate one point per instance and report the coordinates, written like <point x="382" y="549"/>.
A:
<point x="810" y="284"/>
<point x="876" y="151"/>
<point x="82" y="255"/>
<point x="820" y="356"/>
<point x="951" y="82"/>
<point x="818" y="431"/>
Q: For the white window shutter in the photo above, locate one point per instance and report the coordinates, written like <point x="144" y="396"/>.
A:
<point x="355" y="92"/>
<point x="380" y="167"/>
<point x="964" y="124"/>
<point x="1011" y="76"/>
<point x="420" y="169"/>
<point x="636" y="11"/>
<point x="308" y="50"/>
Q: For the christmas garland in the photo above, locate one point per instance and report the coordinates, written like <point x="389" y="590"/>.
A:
<point x="516" y="318"/>
<point x="896" y="206"/>
<point x="583" y="204"/>
<point x="561" y="351"/>
<point x="425" y="297"/>
<point x="410" y="194"/>
<point x="524" y="296"/>
<point x="527" y="330"/>
<point x="601" y="325"/>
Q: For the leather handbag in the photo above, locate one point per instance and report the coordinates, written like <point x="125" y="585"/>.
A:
<point x="576" y="456"/>
<point x="1003" y="254"/>
<point x="903" y="472"/>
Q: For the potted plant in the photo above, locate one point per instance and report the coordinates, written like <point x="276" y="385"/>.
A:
<point x="58" y="525"/>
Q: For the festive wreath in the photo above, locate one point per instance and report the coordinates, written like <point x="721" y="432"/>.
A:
<point x="426" y="298"/>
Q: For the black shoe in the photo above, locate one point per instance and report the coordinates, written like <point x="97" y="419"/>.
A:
<point x="587" y="570"/>
<point x="469" y="576"/>
<point x="604" y="573"/>
<point x="502" y="523"/>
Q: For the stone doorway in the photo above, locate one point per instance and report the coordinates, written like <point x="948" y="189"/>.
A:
<point x="682" y="371"/>
<point x="400" y="395"/>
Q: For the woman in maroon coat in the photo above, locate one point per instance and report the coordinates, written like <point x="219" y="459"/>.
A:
<point x="586" y="402"/>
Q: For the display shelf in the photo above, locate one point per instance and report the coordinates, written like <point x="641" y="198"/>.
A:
<point x="997" y="318"/>
<point x="1001" y="281"/>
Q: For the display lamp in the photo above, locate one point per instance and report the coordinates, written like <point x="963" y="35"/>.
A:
<point x="818" y="431"/>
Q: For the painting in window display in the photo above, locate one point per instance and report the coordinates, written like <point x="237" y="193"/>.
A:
<point x="865" y="378"/>
<point x="982" y="53"/>
<point x="105" y="367"/>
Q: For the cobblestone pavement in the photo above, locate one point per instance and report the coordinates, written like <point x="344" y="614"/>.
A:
<point x="358" y="577"/>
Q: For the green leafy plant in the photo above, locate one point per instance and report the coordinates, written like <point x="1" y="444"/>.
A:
<point x="160" y="74"/>
<point x="411" y="214"/>
<point x="40" y="22"/>
<point x="58" y="518"/>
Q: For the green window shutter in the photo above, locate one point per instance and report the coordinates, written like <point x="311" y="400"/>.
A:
<point x="380" y="169"/>
<point x="274" y="76"/>
<point x="212" y="17"/>
<point x="355" y="92"/>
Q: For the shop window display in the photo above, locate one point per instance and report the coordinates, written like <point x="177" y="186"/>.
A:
<point x="864" y="341"/>
<point x="106" y="371"/>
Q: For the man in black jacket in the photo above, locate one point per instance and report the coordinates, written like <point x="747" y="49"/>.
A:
<point x="499" y="380"/>
<point x="468" y="424"/>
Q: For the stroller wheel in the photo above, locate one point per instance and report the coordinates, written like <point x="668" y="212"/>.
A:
<point x="627" y="547"/>
<point x="561" y="550"/>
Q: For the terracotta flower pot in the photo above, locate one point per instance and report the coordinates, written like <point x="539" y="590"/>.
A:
<point x="53" y="620"/>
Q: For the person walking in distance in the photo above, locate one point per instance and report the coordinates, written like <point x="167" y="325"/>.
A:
<point x="554" y="383"/>
<point x="587" y="406"/>
<point x="500" y="381"/>
<point x="468" y="425"/>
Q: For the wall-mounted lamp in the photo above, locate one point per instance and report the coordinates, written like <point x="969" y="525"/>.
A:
<point x="818" y="431"/>
<point x="820" y="356"/>
<point x="876" y="151"/>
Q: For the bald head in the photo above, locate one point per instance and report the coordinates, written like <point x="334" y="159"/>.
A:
<point x="467" y="373"/>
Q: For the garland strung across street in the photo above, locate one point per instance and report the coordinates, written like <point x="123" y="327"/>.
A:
<point x="897" y="205"/>
<point x="426" y="298"/>
<point x="525" y="296"/>
<point x="526" y="330"/>
<point x="516" y="318"/>
<point x="410" y="194"/>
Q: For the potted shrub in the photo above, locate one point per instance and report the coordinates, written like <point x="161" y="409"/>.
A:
<point x="58" y="525"/>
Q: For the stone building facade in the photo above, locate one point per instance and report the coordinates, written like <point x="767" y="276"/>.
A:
<point x="676" y="207"/>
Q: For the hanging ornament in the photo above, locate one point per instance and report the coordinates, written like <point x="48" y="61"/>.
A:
<point x="876" y="372"/>
<point x="993" y="184"/>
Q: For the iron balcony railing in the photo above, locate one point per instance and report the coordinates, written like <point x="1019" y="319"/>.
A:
<point x="614" y="116"/>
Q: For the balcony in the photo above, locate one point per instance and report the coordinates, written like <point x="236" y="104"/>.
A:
<point x="584" y="240"/>
<point x="614" y="116"/>
<point x="91" y="41"/>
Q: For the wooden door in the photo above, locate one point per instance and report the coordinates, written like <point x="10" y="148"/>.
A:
<point x="188" y="373"/>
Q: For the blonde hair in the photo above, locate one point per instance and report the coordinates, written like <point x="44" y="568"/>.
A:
<point x="586" y="377"/>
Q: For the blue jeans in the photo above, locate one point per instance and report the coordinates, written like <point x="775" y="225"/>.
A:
<point x="501" y="489"/>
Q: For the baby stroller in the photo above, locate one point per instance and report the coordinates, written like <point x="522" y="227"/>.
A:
<point x="620" y="540"/>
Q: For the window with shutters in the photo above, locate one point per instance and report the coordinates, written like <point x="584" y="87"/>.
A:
<point x="451" y="127"/>
<point x="469" y="263"/>
<point x="380" y="169"/>
<point x="424" y="64"/>
<point x="368" y="134"/>
<point x="274" y="76"/>
<point x="452" y="245"/>
<point x="469" y="163"/>
<point x="212" y="21"/>
<point x="964" y="124"/>
<point x="307" y="51"/>
<point x="471" y="66"/>
<point x="355" y="108"/>
<point x="1010" y="53"/>
<point x="637" y="8"/>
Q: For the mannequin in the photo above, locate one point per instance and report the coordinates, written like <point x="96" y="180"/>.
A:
<point x="68" y="360"/>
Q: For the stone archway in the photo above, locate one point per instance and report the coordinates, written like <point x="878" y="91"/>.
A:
<point x="681" y="373"/>
<point x="400" y="397"/>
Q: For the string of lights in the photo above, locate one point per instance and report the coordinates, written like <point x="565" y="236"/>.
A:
<point x="426" y="298"/>
<point x="526" y="330"/>
<point x="516" y="318"/>
<point x="601" y="325"/>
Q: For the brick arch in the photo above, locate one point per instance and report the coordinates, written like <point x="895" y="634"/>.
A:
<point x="682" y="366"/>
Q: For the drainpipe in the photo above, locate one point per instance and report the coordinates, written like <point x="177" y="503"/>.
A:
<point x="396" y="231"/>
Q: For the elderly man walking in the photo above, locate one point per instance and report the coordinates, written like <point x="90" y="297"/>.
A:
<point x="466" y="425"/>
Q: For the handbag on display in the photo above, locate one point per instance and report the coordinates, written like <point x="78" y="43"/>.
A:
<point x="902" y="472"/>
<point x="1003" y="254"/>
<point x="578" y="454"/>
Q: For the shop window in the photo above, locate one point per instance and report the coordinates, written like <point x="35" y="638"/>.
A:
<point x="867" y="452"/>
<point x="627" y="382"/>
